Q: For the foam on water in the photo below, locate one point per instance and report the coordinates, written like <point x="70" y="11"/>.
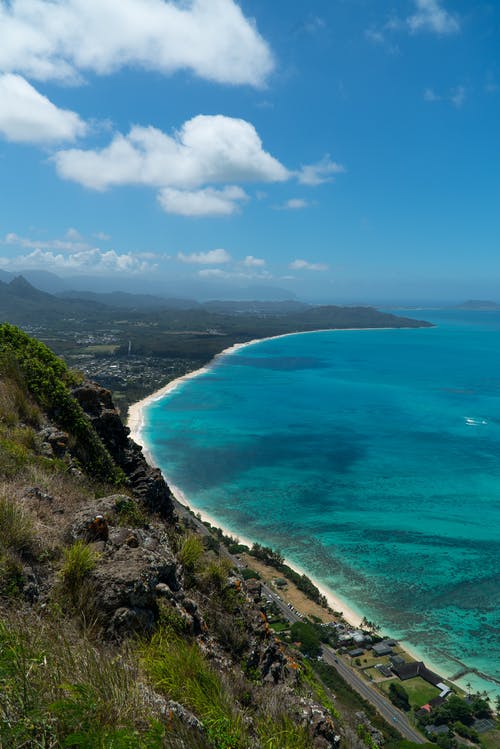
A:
<point x="372" y="460"/>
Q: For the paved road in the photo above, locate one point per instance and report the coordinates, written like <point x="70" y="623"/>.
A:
<point x="391" y="714"/>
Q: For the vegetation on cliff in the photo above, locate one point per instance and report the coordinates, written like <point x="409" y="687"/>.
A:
<point x="32" y="367"/>
<point x="119" y="627"/>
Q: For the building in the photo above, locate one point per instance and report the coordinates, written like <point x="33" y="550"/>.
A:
<point x="382" y="648"/>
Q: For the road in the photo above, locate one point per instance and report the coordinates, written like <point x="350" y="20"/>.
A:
<point x="392" y="715"/>
<point x="383" y="705"/>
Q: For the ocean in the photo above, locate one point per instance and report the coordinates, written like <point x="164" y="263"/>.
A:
<point x="370" y="459"/>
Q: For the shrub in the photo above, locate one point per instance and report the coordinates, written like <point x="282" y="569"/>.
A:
<point x="215" y="574"/>
<point x="48" y="380"/>
<point x="11" y="574"/>
<point x="78" y="562"/>
<point x="190" y="552"/>
<point x="130" y="513"/>
<point x="16" y="527"/>
<point x="13" y="457"/>
<point x="249" y="574"/>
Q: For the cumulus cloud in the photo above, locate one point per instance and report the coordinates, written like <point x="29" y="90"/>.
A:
<point x="207" y="149"/>
<point x="95" y="260"/>
<point x="60" y="39"/>
<point x="253" y="262"/>
<point x="207" y="202"/>
<point x="28" y="117"/>
<point x="72" y="253"/>
<point x="305" y="265"/>
<point x="317" y="174"/>
<point x="205" y="258"/>
<point x="432" y="17"/>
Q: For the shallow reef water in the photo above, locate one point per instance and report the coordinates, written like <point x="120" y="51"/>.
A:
<point x="371" y="459"/>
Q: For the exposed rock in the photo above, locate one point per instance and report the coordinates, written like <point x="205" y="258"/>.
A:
<point x="54" y="442"/>
<point x="320" y="724"/>
<point x="133" y="563"/>
<point x="271" y="662"/>
<point x="35" y="492"/>
<point x="31" y="588"/>
<point x="173" y="710"/>
<point x="82" y="524"/>
<point x="146" y="482"/>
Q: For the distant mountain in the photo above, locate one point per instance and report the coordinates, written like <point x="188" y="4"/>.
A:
<point x="255" y="307"/>
<point x="478" y="304"/>
<point x="125" y="300"/>
<point x="21" y="302"/>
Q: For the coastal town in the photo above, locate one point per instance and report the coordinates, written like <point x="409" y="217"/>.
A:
<point x="420" y="703"/>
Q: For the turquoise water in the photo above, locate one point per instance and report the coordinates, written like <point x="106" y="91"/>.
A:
<point x="371" y="459"/>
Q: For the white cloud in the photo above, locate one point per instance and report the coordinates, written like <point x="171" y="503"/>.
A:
<point x="458" y="96"/>
<point x="294" y="204"/>
<point x="375" y="35"/>
<point x="233" y="275"/>
<point x="94" y="260"/>
<point x="305" y="265"/>
<point x="430" y="95"/>
<point x="73" y="234"/>
<point x="206" y="202"/>
<point x="61" y="245"/>
<point x="60" y="39"/>
<point x="317" y="174"/>
<point x="432" y="17"/>
<point x="207" y="149"/>
<point x="253" y="262"/>
<point x="205" y="258"/>
<point x="28" y="117"/>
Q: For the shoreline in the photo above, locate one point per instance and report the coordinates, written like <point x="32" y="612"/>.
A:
<point x="135" y="416"/>
<point x="136" y="423"/>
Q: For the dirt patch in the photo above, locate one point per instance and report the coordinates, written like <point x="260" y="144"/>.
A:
<point x="290" y="593"/>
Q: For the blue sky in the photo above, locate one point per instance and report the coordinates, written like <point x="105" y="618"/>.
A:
<point x="345" y="150"/>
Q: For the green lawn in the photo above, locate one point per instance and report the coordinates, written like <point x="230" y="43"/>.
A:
<point x="419" y="691"/>
<point x="279" y="626"/>
<point x="490" y="740"/>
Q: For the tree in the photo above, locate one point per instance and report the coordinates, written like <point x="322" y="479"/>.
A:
<point x="309" y="638"/>
<point x="399" y="696"/>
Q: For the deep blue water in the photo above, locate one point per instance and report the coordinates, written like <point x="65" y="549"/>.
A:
<point x="369" y="458"/>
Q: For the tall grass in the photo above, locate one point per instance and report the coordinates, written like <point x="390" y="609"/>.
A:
<point x="182" y="673"/>
<point x="57" y="692"/>
<point x="190" y="552"/>
<point x="16" y="526"/>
